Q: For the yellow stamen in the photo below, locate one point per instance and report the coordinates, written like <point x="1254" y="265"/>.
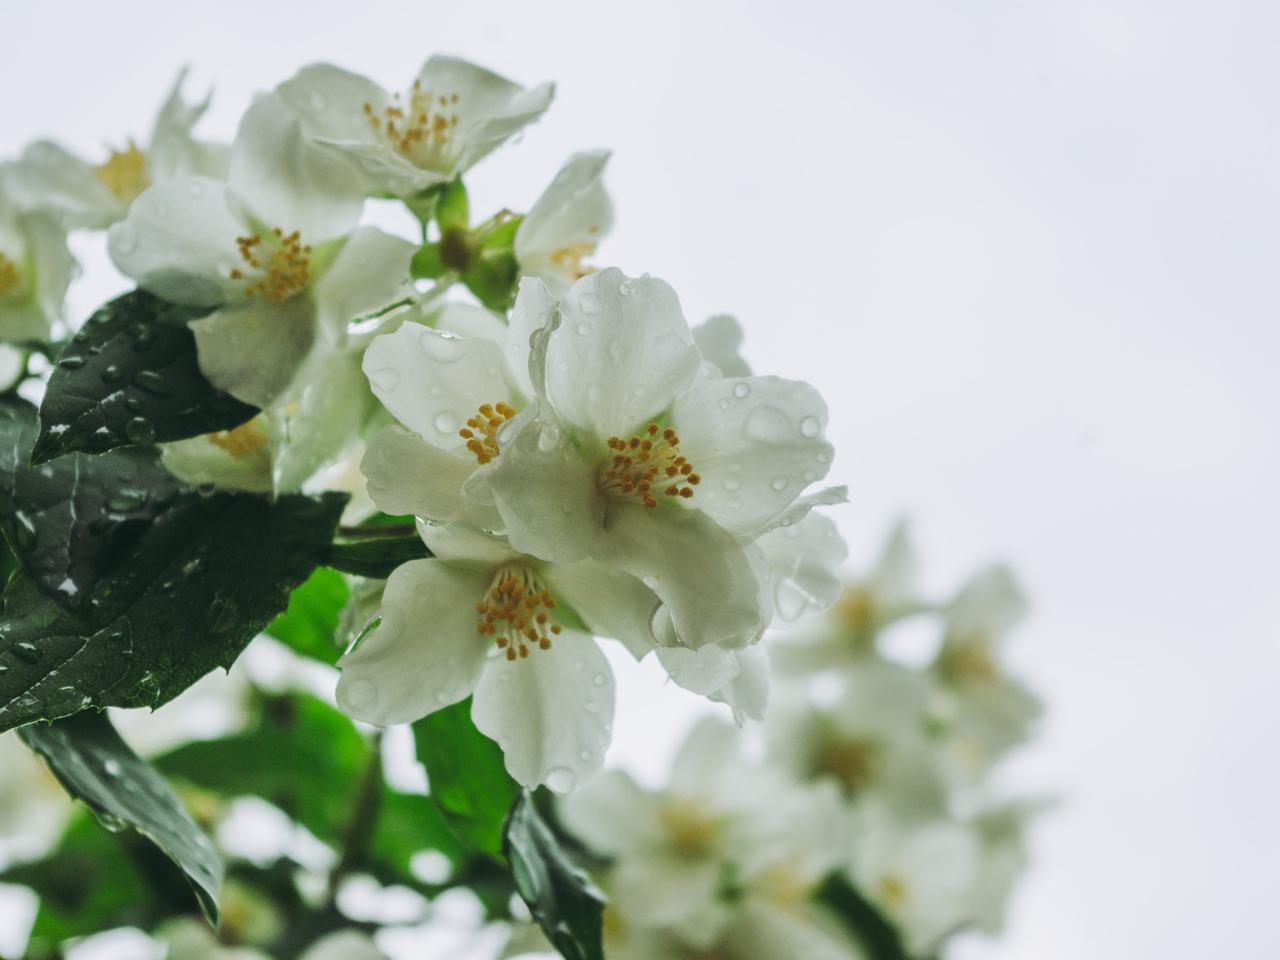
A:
<point x="516" y="612"/>
<point x="481" y="431"/>
<point x="893" y="892"/>
<point x="689" y="826"/>
<point x="569" y="259"/>
<point x="968" y="661"/>
<point x="10" y="278"/>
<point x="246" y="439"/>
<point x="125" y="173"/>
<point x="280" y="265"/>
<point x="419" y="129"/>
<point x="854" y="762"/>
<point x="648" y="465"/>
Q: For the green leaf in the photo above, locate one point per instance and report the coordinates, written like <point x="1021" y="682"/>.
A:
<point x="310" y="625"/>
<point x="879" y="937"/>
<point x="130" y="376"/>
<point x="453" y="212"/>
<point x="426" y="263"/>
<point x="64" y="520"/>
<point x="561" y="897"/>
<point x="88" y="757"/>
<point x="185" y="595"/>
<point x="468" y="779"/>
<point x="376" y="557"/>
<point x="301" y="755"/>
<point x="492" y="278"/>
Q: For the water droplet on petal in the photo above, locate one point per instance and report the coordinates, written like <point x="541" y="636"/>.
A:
<point x="195" y="189"/>
<point x="561" y="780"/>
<point x="442" y="347"/>
<point x="385" y="380"/>
<point x="599" y="680"/>
<point x="446" y="423"/>
<point x="319" y="103"/>
<point x="810" y="426"/>
<point x="779" y="484"/>
<point x="732" y="483"/>
<point x="768" y="425"/>
<point x="741" y="391"/>
<point x="590" y="303"/>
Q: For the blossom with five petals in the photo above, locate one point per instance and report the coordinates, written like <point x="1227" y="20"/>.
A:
<point x="453" y="115"/>
<point x="564" y="225"/>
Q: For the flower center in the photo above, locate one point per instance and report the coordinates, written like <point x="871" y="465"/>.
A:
<point x="851" y="761"/>
<point x="569" y="258"/>
<point x="10" y="278"/>
<point x="516" y="612"/>
<point x="280" y="265"/>
<point x="481" y="431"/>
<point x="893" y="891"/>
<point x="647" y="465"/>
<point x="419" y="129"/>
<point x="968" y="661"/>
<point x="246" y="439"/>
<point x="691" y="830"/>
<point x="124" y="173"/>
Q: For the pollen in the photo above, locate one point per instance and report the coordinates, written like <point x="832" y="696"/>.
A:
<point x="646" y="466"/>
<point x="277" y="266"/>
<point x="124" y="173"/>
<point x="10" y="278"/>
<point x="853" y="762"/>
<point x="419" y="126"/>
<point x="690" y="828"/>
<point x="569" y="259"/>
<point x="893" y="892"/>
<point x="481" y="431"/>
<point x="517" y="612"/>
<point x="246" y="439"/>
<point x="968" y="661"/>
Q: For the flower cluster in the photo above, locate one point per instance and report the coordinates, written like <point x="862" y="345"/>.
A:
<point x="869" y="783"/>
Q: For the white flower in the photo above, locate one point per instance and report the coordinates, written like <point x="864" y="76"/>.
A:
<point x="872" y="740"/>
<point x="273" y="247"/>
<point x="920" y="874"/>
<point x="452" y="116"/>
<point x="887" y="593"/>
<point x="33" y="807"/>
<point x="1004" y="859"/>
<point x="47" y="176"/>
<point x="35" y="269"/>
<point x="313" y="424"/>
<point x="726" y="848"/>
<point x="565" y="223"/>
<point x="983" y="711"/>
<point x="516" y="630"/>
<point x="454" y="388"/>
<point x="641" y="459"/>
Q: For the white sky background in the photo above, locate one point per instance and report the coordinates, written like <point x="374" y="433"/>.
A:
<point x="1026" y="250"/>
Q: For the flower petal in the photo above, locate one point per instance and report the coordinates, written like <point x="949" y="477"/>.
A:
<point x="763" y="931"/>
<point x="489" y="107"/>
<point x="611" y="603"/>
<point x="199" y="461"/>
<point x="710" y="587"/>
<point x="426" y="653"/>
<point x="318" y="416"/>
<point x="172" y="150"/>
<point x="285" y="181"/>
<point x="804" y="559"/>
<point x="757" y="443"/>
<point x="330" y="102"/>
<point x="621" y="355"/>
<point x="407" y="475"/>
<point x="613" y="815"/>
<point x="370" y="272"/>
<point x="571" y="216"/>
<point x="434" y="382"/>
<point x="47" y="176"/>
<point x="179" y="242"/>
<point x="747" y="694"/>
<point x="466" y="544"/>
<point x="547" y="494"/>
<point x="533" y="318"/>
<point x="551" y="712"/>
<point x="702" y="671"/>
<point x="51" y="258"/>
<point x="253" y="350"/>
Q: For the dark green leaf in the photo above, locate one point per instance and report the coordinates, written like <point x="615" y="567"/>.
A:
<point x="492" y="278"/>
<point x="561" y="897"/>
<point x="187" y="595"/>
<point x="468" y="780"/>
<point x="88" y="757"/>
<point x="878" y="935"/>
<point x="376" y="557"/>
<point x="65" y="519"/>
<point x="301" y="755"/>
<point x="310" y="625"/>
<point x="130" y="376"/>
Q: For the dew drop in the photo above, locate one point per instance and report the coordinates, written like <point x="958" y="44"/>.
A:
<point x="810" y="427"/>
<point x="741" y="391"/>
<point x="24" y="531"/>
<point x="71" y="363"/>
<point x="112" y="767"/>
<point x="385" y="380"/>
<point x="222" y="617"/>
<point x="599" y="680"/>
<point x="153" y="381"/>
<point x="111" y="373"/>
<point x="624" y="289"/>
<point x="195" y="189"/>
<point x="360" y="695"/>
<point x="81" y="337"/>
<point x="583" y="329"/>
<point x="125" y="500"/>
<point x="732" y="483"/>
<point x="26" y="652"/>
<point x="446" y="423"/>
<point x="590" y="303"/>
<point x="140" y="430"/>
<point x="561" y="780"/>
<point x="319" y="103"/>
<point x="768" y="425"/>
<point x="442" y="347"/>
<point x="132" y="404"/>
<point x="779" y="484"/>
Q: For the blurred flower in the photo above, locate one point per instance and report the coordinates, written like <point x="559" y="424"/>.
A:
<point x="79" y="194"/>
<point x="33" y="806"/>
<point x="453" y="115"/>
<point x="35" y="269"/>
